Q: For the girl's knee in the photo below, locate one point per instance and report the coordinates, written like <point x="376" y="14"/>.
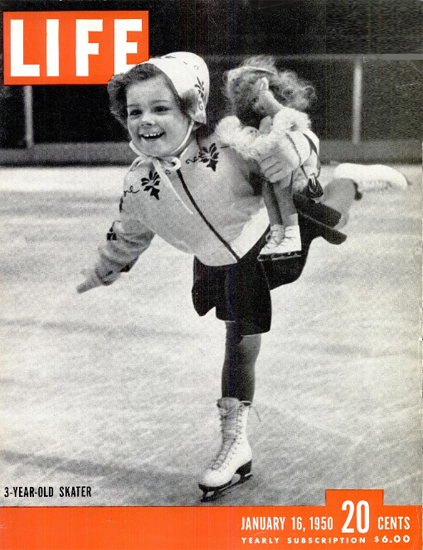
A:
<point x="340" y="195"/>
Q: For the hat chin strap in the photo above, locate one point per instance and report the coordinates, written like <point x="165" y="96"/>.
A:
<point x="182" y="146"/>
<point x="172" y="156"/>
<point x="172" y="159"/>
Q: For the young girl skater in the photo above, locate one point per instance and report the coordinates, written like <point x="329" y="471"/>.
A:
<point x="197" y="195"/>
<point x="257" y="90"/>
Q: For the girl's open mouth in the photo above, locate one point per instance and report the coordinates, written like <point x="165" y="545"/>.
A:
<point x="152" y="135"/>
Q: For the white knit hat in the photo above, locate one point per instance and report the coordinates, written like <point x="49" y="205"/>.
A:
<point x="190" y="77"/>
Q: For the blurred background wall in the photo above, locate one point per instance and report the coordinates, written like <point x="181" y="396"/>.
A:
<point x="363" y="56"/>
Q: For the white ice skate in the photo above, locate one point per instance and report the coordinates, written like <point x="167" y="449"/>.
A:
<point x="234" y="457"/>
<point x="375" y="177"/>
<point x="288" y="247"/>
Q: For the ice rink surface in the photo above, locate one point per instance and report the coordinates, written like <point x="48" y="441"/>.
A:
<point x="116" y="389"/>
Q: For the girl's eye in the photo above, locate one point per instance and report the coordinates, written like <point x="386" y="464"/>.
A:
<point x="161" y="109"/>
<point x="134" y="112"/>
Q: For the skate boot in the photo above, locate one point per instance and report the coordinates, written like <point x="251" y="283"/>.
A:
<point x="235" y="454"/>
<point x="289" y="247"/>
<point x="375" y="177"/>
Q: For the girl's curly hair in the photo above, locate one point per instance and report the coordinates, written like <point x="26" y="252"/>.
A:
<point x="118" y="85"/>
<point x="287" y="87"/>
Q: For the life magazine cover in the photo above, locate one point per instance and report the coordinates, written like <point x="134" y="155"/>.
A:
<point x="211" y="274"/>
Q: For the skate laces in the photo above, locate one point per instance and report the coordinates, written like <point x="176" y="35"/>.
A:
<point x="289" y="235"/>
<point x="225" y="413"/>
<point x="375" y="185"/>
<point x="231" y="429"/>
<point x="274" y="237"/>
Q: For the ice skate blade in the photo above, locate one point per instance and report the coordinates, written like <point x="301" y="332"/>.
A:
<point x="242" y="475"/>
<point x="210" y="494"/>
<point x="276" y="257"/>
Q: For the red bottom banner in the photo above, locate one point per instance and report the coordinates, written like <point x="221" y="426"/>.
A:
<point x="350" y="519"/>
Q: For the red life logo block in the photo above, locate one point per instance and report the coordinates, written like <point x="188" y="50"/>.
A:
<point x="72" y="47"/>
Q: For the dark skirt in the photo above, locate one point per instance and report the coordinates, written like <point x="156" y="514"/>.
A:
<point x="241" y="292"/>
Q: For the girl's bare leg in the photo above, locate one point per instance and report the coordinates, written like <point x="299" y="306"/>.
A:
<point x="234" y="455"/>
<point x="238" y="374"/>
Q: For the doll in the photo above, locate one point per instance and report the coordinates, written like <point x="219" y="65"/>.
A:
<point x="266" y="104"/>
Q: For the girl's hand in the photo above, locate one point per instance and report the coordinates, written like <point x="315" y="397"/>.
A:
<point x="280" y="161"/>
<point x="93" y="280"/>
<point x="285" y="156"/>
<point x="273" y="166"/>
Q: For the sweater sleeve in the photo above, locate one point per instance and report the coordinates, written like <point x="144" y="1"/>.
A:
<point x="126" y="241"/>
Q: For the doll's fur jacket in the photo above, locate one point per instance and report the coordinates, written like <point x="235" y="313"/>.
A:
<point x="252" y="144"/>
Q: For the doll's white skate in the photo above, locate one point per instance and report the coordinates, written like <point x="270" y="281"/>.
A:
<point x="232" y="465"/>
<point x="289" y="246"/>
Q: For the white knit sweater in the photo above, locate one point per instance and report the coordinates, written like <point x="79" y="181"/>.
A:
<point x="156" y="201"/>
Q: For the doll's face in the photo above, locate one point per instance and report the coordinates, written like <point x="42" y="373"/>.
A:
<point x="156" y="124"/>
<point x="247" y="99"/>
<point x="255" y="97"/>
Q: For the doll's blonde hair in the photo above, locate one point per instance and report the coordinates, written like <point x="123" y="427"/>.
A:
<point x="287" y="87"/>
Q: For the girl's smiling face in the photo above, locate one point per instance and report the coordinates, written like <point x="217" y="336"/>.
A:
<point x="156" y="124"/>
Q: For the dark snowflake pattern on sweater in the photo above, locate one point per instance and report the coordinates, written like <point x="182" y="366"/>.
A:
<point x="209" y="156"/>
<point x="130" y="190"/>
<point x="152" y="184"/>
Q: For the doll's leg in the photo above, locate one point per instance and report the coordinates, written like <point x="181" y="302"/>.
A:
<point x="276" y="225"/>
<point x="290" y="245"/>
<point x="271" y="203"/>
<point x="234" y="455"/>
<point x="286" y="206"/>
